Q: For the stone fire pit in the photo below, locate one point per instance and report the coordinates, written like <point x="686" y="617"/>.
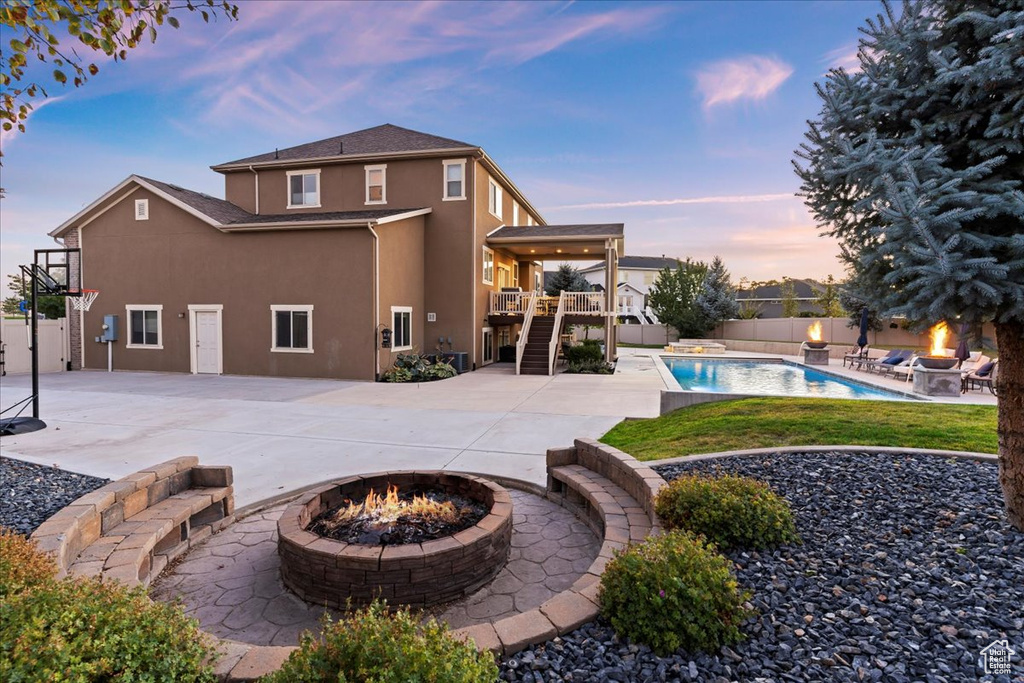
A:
<point x="325" y="571"/>
<point x="815" y="353"/>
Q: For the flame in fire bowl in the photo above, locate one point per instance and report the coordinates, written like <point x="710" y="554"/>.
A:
<point x="327" y="571"/>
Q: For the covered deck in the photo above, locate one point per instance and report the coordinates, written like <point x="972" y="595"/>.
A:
<point x="544" y="318"/>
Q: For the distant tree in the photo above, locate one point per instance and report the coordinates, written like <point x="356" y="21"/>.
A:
<point x="916" y="166"/>
<point x="50" y="306"/>
<point x="853" y="305"/>
<point x="831" y="306"/>
<point x="673" y="298"/>
<point x="33" y="30"/>
<point x="567" y="279"/>
<point x="787" y="292"/>
<point x="717" y="298"/>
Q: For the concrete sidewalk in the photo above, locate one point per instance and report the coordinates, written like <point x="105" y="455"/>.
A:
<point x="283" y="434"/>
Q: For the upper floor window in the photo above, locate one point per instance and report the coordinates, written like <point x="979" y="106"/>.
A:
<point x="455" y="179"/>
<point x="145" y="326"/>
<point x="303" y="189"/>
<point x="515" y="213"/>
<point x="293" y="328"/>
<point x="649" y="278"/>
<point x="529" y="219"/>
<point x="401" y="319"/>
<point x="494" y="199"/>
<point x="488" y="266"/>
<point x="142" y="209"/>
<point x="376" y="184"/>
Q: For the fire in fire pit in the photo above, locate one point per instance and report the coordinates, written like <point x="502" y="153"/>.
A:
<point x="937" y="358"/>
<point x="395" y="519"/>
<point x="814" y="336"/>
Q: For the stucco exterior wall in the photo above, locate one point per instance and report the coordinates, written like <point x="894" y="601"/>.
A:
<point x="402" y="282"/>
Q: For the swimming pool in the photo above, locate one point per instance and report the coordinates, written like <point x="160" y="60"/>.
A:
<point x="768" y="378"/>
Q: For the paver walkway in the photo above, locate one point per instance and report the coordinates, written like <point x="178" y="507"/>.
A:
<point x="232" y="585"/>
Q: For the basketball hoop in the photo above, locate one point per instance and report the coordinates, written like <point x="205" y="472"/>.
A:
<point x="83" y="301"/>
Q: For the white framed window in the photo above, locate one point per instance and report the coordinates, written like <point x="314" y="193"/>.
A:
<point x="537" y="281"/>
<point x="377" y="184"/>
<point x="488" y="266"/>
<point x="529" y="219"/>
<point x="303" y="189"/>
<point x="145" y="326"/>
<point x="142" y="209"/>
<point x="292" y="328"/>
<point x="515" y="213"/>
<point x="487" y="346"/>
<point x="515" y="273"/>
<point x="649" y="278"/>
<point x="494" y="198"/>
<point x="401" y="325"/>
<point x="454" y="180"/>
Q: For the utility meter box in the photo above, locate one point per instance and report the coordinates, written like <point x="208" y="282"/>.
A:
<point x="109" y="328"/>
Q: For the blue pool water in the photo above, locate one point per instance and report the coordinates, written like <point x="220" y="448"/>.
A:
<point x="766" y="378"/>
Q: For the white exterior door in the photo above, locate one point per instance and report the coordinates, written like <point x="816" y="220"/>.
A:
<point x="207" y="340"/>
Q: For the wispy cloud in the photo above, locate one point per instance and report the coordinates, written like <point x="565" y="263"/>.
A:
<point x="8" y="136"/>
<point x="844" y="57"/>
<point x="719" y="199"/>
<point x="751" y="77"/>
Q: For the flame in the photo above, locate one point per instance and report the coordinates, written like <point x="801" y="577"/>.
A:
<point x="938" y="335"/>
<point x="814" y="331"/>
<point x="389" y="508"/>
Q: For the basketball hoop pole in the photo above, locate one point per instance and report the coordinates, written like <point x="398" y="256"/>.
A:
<point x="35" y="346"/>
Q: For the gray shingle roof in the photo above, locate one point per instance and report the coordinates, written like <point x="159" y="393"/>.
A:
<point x="534" y="231"/>
<point x="228" y="214"/>
<point x="385" y="139"/>
<point x="651" y="262"/>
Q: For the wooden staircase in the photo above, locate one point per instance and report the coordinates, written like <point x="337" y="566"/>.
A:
<point x="535" y="353"/>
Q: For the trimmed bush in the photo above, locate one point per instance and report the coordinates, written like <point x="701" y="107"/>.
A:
<point x="375" y="644"/>
<point x="673" y="591"/>
<point x="588" y="351"/>
<point x="730" y="511"/>
<point x="590" y="367"/>
<point x="81" y="630"/>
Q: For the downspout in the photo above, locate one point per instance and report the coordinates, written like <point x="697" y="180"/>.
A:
<point x="376" y="299"/>
<point x="257" y="212"/>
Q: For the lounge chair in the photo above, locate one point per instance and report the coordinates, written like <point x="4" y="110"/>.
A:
<point x="859" y="353"/>
<point x="903" y="371"/>
<point x="894" y="357"/>
<point x="982" y="377"/>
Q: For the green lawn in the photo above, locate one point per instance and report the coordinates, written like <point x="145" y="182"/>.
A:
<point x="770" y="422"/>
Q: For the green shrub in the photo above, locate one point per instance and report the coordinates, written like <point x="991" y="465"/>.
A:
<point x="673" y="591"/>
<point x="412" y="367"/>
<point x="81" y="630"/>
<point x="730" y="511"/>
<point x="589" y="350"/>
<point x="590" y="367"/>
<point x="375" y="644"/>
<point x="21" y="565"/>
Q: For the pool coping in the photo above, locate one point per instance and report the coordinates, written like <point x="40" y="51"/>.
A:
<point x="674" y="397"/>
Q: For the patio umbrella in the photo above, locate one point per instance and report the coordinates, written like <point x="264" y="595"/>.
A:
<point x="962" y="352"/>
<point x="862" y="340"/>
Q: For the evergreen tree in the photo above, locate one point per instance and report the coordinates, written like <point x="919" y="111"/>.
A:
<point x="915" y="166"/>
<point x="50" y="306"/>
<point x="717" y="298"/>
<point x="831" y="306"/>
<point x="673" y="298"/>
<point x="853" y="305"/>
<point x="790" y="306"/>
<point x="567" y="279"/>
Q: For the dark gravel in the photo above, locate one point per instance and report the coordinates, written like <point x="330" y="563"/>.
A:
<point x="30" y="493"/>
<point x="907" y="570"/>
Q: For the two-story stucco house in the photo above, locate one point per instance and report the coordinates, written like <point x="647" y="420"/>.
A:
<point x="325" y="260"/>
<point x="636" y="275"/>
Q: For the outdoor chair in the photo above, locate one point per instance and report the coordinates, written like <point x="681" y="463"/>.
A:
<point x="984" y="376"/>
<point x="894" y="357"/>
<point x="901" y="371"/>
<point x="859" y="353"/>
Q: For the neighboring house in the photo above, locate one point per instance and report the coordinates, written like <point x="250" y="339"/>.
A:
<point x="317" y="253"/>
<point x="767" y="299"/>
<point x="636" y="275"/>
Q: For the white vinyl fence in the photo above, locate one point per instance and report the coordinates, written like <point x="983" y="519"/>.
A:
<point x="53" y="346"/>
<point x="834" y="330"/>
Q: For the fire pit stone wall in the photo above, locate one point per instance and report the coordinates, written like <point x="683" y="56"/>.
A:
<point x="324" y="571"/>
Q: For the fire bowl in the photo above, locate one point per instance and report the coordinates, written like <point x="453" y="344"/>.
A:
<point x="937" y="362"/>
<point x="324" y="571"/>
<point x="816" y="345"/>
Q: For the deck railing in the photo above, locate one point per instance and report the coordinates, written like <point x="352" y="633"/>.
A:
<point x="509" y="303"/>
<point x="583" y="303"/>
<point x="524" y="334"/>
<point x="556" y="332"/>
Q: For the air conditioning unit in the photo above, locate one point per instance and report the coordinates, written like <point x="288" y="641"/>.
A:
<point x="460" y="361"/>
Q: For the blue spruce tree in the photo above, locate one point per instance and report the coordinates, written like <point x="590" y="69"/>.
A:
<point x="916" y="166"/>
<point x="717" y="298"/>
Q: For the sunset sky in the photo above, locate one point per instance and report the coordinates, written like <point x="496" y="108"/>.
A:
<point x="677" y="119"/>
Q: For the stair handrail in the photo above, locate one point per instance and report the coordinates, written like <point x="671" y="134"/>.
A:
<point x="556" y="334"/>
<point x="524" y="334"/>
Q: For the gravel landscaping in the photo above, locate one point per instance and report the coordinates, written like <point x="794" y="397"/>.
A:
<point x="907" y="570"/>
<point x="30" y="493"/>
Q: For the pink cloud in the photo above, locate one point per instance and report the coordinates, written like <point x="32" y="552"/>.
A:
<point x="720" y="199"/>
<point x="751" y="77"/>
<point x="845" y="57"/>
